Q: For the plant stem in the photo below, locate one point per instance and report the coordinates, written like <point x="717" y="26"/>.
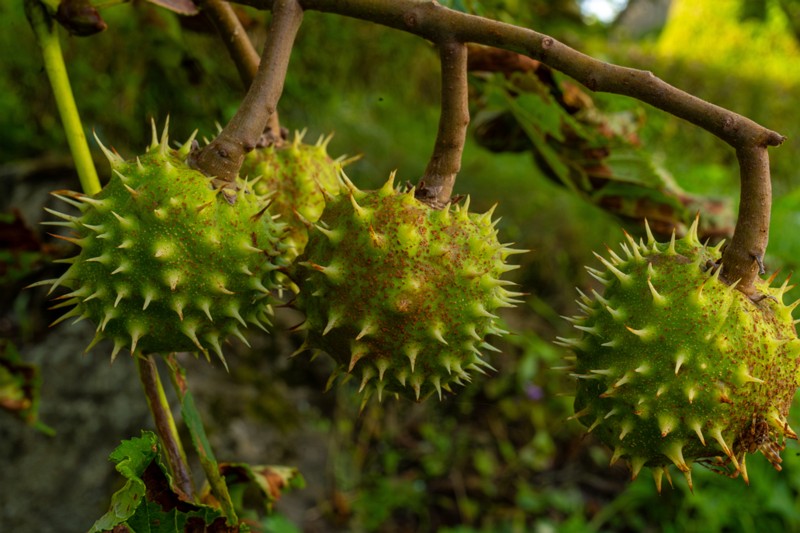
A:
<point x="194" y="424"/>
<point x="223" y="157"/>
<point x="436" y="186"/>
<point x="47" y="37"/>
<point x="165" y="425"/>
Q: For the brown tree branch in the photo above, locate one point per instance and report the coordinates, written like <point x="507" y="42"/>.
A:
<point x="234" y="36"/>
<point x="428" y="19"/>
<point x="240" y="48"/>
<point x="436" y="186"/>
<point x="223" y="156"/>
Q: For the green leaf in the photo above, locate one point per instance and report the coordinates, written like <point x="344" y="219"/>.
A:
<point x="147" y="503"/>
<point x="533" y="109"/>
<point x="152" y="518"/>
<point x="538" y="127"/>
<point x="134" y="455"/>
<point x="131" y="458"/>
<point x="192" y="418"/>
<point x="544" y="120"/>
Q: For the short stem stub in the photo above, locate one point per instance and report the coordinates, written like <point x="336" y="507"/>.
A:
<point x="223" y="156"/>
<point x="436" y="185"/>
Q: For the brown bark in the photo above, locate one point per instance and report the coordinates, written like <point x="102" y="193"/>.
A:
<point x="222" y="157"/>
<point x="436" y="186"/>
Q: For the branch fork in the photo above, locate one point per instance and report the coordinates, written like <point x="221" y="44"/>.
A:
<point x="223" y="157"/>
<point x="446" y="27"/>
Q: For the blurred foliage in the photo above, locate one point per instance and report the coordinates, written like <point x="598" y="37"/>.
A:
<point x="500" y="456"/>
<point x="792" y="10"/>
<point x="21" y="250"/>
<point x="750" y="58"/>
<point x="20" y="387"/>
<point x="739" y="61"/>
<point x="562" y="19"/>
<point x="723" y="33"/>
<point x="487" y="458"/>
<point x="596" y="154"/>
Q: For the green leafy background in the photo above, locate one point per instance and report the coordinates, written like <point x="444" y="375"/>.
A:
<point x="500" y="456"/>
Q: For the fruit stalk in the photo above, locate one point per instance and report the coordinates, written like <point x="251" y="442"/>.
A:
<point x="165" y="425"/>
<point x="47" y="36"/>
<point x="436" y="186"/>
<point x="743" y="259"/>
<point x="223" y="157"/>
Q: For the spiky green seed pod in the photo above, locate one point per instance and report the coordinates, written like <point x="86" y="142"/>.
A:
<point x="401" y="295"/>
<point x="674" y="366"/>
<point x="168" y="262"/>
<point x="297" y="178"/>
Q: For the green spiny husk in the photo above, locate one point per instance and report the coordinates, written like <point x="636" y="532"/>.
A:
<point x="168" y="261"/>
<point x="675" y="366"/>
<point x="297" y="178"/>
<point x="402" y="295"/>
